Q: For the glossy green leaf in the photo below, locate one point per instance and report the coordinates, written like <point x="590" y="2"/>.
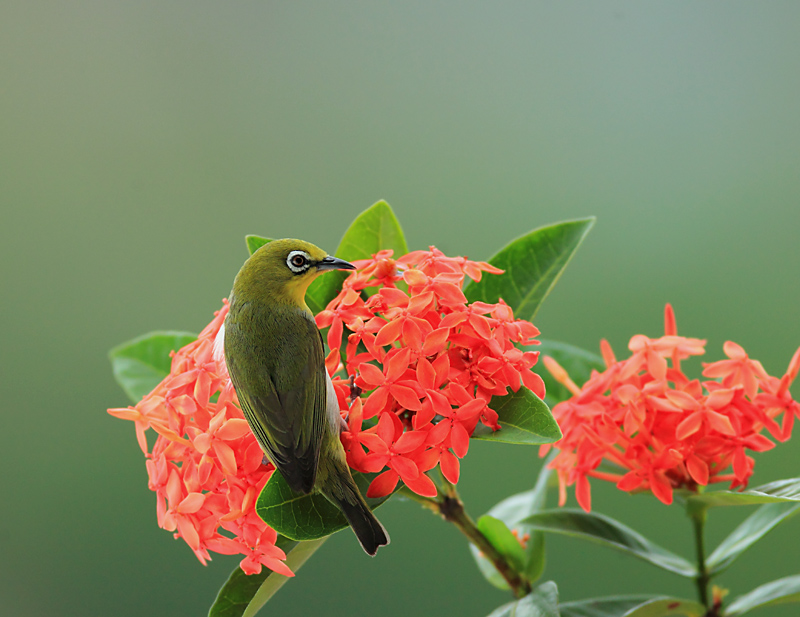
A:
<point x="523" y="417"/>
<point x="578" y="363"/>
<point x="541" y="602"/>
<point x="512" y="511"/>
<point x="780" y="491"/>
<point x="501" y="538"/>
<point x="306" y="517"/>
<point x="622" y="606"/>
<point x="782" y="591"/>
<point x="754" y="527"/>
<point x="373" y="230"/>
<point x="608" y="532"/>
<point x="255" y="242"/>
<point x="244" y="595"/>
<point x="532" y="265"/>
<point x="140" y="365"/>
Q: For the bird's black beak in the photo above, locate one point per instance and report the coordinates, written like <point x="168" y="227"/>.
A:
<point x="334" y="263"/>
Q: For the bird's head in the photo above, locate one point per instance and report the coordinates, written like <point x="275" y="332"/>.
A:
<point x="282" y="270"/>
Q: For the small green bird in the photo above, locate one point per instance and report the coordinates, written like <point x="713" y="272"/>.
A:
<point x="275" y="357"/>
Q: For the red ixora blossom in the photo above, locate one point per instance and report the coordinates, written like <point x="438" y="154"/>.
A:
<point x="427" y="361"/>
<point x="644" y="415"/>
<point x="206" y="466"/>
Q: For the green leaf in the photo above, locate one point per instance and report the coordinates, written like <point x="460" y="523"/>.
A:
<point x="608" y="532"/>
<point x="612" y="606"/>
<point x="532" y="264"/>
<point x="244" y="596"/>
<point x="141" y="364"/>
<point x="523" y="417"/>
<point x="255" y="242"/>
<point x="374" y="230"/>
<point x="512" y="511"/>
<point x="754" y="527"/>
<point x="306" y="517"/>
<point x="782" y="591"/>
<point x="780" y="491"/>
<point x="500" y="537"/>
<point x="626" y="606"/>
<point x="667" y="606"/>
<point x="578" y="363"/>
<point x="541" y="602"/>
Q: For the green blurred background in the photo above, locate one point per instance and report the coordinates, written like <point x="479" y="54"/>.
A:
<point x="140" y="142"/>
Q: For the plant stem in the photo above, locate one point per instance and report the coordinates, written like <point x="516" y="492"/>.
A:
<point x="702" y="578"/>
<point x="448" y="504"/>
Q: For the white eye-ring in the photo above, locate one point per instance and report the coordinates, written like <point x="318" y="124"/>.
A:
<point x="298" y="261"/>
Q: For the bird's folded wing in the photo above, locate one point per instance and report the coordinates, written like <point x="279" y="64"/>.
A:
<point x="286" y="406"/>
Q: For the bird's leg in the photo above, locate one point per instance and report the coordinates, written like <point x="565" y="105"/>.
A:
<point x="355" y="391"/>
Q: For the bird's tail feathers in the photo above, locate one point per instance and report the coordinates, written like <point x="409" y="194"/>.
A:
<point x="368" y="529"/>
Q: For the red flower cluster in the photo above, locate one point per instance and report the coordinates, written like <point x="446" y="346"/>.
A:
<point x="429" y="361"/>
<point x="206" y="466"/>
<point x="646" y="416"/>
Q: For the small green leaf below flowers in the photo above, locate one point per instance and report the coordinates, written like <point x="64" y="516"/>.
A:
<point x="373" y="230"/>
<point x="139" y="365"/>
<point x="255" y="242"/>
<point x="500" y="536"/>
<point x="630" y="606"/>
<point x="578" y="363"/>
<point x="524" y="418"/>
<point x="243" y="595"/>
<point x="532" y="265"/>
<point x="783" y="591"/>
<point x="754" y="527"/>
<point x="607" y="531"/>
<point x="306" y="517"/>
<point x="780" y="491"/>
<point x="511" y="511"/>
<point x="541" y="602"/>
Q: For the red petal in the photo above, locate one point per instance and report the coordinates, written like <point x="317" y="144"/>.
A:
<point x="459" y="440"/>
<point x="689" y="426"/>
<point x="426" y="376"/>
<point x="720" y="423"/>
<point x="376" y="402"/>
<point x="438" y="433"/>
<point x="435" y="341"/>
<point x="371" y="375"/>
<point x="583" y="493"/>
<point x="386" y="428"/>
<point x="533" y="382"/>
<point x="405" y="467"/>
<point x="410" y="440"/>
<point x="697" y="469"/>
<point x="384" y="484"/>
<point x="661" y="488"/>
<point x="422" y="485"/>
<point x="405" y="396"/>
<point x="450" y="466"/>
<point x="390" y="332"/>
<point x="397" y="364"/>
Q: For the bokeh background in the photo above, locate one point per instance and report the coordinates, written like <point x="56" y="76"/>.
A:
<point x="140" y="142"/>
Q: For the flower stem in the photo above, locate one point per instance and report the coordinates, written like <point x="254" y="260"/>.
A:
<point x="702" y="578"/>
<point x="448" y="504"/>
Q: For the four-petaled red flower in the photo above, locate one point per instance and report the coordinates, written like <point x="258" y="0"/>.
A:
<point x="645" y="416"/>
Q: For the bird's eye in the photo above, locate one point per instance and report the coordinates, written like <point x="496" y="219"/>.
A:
<point x="298" y="261"/>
